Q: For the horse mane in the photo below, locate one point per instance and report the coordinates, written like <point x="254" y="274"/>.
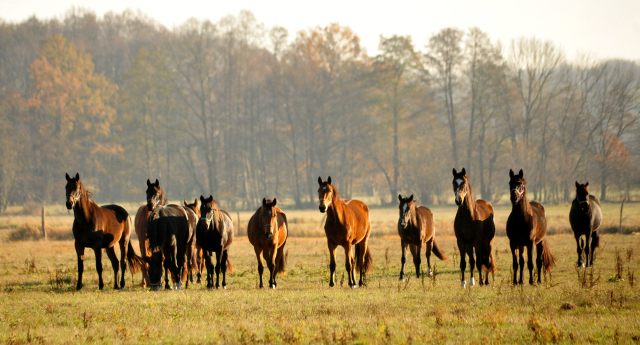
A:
<point x="470" y="199"/>
<point x="336" y="194"/>
<point x="527" y="210"/>
<point x="414" y="210"/>
<point x="86" y="202"/>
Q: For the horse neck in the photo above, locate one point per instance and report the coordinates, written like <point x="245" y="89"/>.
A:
<point x="336" y="210"/>
<point x="414" y="215"/>
<point x="85" y="207"/>
<point x="470" y="201"/>
<point x="524" y="207"/>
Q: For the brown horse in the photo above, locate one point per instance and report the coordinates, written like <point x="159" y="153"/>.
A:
<point x="100" y="227"/>
<point x="474" y="229"/>
<point x="416" y="228"/>
<point x="526" y="226"/>
<point x="268" y="231"/>
<point x="585" y="218"/>
<point x="347" y="225"/>
<point x="155" y="197"/>
<point x="198" y="253"/>
<point x="214" y="233"/>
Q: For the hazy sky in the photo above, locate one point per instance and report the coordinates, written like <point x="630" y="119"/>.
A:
<point x="603" y="28"/>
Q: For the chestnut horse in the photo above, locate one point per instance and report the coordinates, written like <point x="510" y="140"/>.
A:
<point x="215" y="234"/>
<point x="474" y="229"/>
<point x="526" y="226"/>
<point x="155" y="197"/>
<point x="416" y="228"/>
<point x="100" y="227"/>
<point x="268" y="231"/>
<point x="585" y="218"/>
<point x="347" y="225"/>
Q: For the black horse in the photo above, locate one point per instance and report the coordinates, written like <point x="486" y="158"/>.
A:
<point x="168" y="232"/>
<point x="585" y="218"/>
<point x="214" y="233"/>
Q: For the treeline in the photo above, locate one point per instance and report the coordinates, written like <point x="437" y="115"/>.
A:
<point x="242" y="111"/>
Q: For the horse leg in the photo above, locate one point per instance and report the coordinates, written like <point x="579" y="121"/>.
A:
<point x="530" y="262"/>
<point x="279" y="261"/>
<point x="472" y="264"/>
<point x="349" y="263"/>
<point x="332" y="263"/>
<point x="260" y="264"/>
<point x="515" y="263"/>
<point x="201" y="264"/>
<point x="488" y="248"/>
<point x="463" y="263"/>
<point x="595" y="241"/>
<point x="111" y="253"/>
<point x="218" y="267"/>
<point x="427" y="253"/>
<point x="587" y="248"/>
<point x="479" y="260"/>
<point x="579" y="248"/>
<point x="98" y="253"/>
<point x="521" y="263"/>
<point x="539" y="261"/>
<point x="145" y="265"/>
<point x="403" y="259"/>
<point x="124" y="248"/>
<point x="180" y="263"/>
<point x="80" y="254"/>
<point x="208" y="261"/>
<point x="415" y="252"/>
<point x="165" y="264"/>
<point x="270" y="257"/>
<point x="224" y="268"/>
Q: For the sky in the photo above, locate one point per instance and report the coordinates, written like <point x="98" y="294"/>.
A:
<point x="603" y="29"/>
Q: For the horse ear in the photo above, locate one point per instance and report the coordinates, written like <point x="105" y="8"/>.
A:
<point x="463" y="172"/>
<point x="77" y="176"/>
<point x="577" y="184"/>
<point x="454" y="172"/>
<point x="586" y="184"/>
<point x="210" y="199"/>
<point x="275" y="201"/>
<point x="202" y="198"/>
<point x="67" y="176"/>
<point x="520" y="174"/>
<point x="264" y="201"/>
<point x="511" y="173"/>
<point x="148" y="182"/>
<point x="329" y="180"/>
<point x="399" y="197"/>
<point x="319" y="180"/>
<point x="185" y="202"/>
<point x="411" y="198"/>
<point x="157" y="183"/>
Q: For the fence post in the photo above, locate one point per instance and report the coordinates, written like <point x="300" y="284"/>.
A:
<point x="44" y="228"/>
<point x="239" y="226"/>
<point x="621" y="208"/>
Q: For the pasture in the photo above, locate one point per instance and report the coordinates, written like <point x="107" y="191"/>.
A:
<point x="599" y="305"/>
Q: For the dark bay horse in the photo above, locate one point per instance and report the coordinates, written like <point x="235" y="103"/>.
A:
<point x="198" y="253"/>
<point x="214" y="233"/>
<point x="347" y="225"/>
<point x="585" y="218"/>
<point x="416" y="227"/>
<point x="474" y="229"/>
<point x="526" y="226"/>
<point x="268" y="231"/>
<point x="155" y="196"/>
<point x="169" y="232"/>
<point x="100" y="227"/>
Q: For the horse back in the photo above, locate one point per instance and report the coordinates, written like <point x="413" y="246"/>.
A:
<point x="427" y="226"/>
<point x="360" y="212"/>
<point x="596" y="213"/>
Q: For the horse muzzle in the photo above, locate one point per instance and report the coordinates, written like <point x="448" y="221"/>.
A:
<point x="269" y="236"/>
<point x="322" y="208"/>
<point x="69" y="205"/>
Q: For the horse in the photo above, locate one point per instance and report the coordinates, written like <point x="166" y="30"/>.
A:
<point x="416" y="228"/>
<point x="268" y="231"/>
<point x="347" y="225"/>
<point x="526" y="226"/>
<point x="198" y="254"/>
<point x="169" y="231"/>
<point x="215" y="234"/>
<point x="100" y="227"/>
<point x="474" y="229"/>
<point x="155" y="197"/>
<point x="585" y="218"/>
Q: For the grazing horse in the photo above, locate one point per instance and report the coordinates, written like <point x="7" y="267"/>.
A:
<point x="585" y="218"/>
<point x="155" y="197"/>
<point x="416" y="228"/>
<point x="198" y="255"/>
<point x="100" y="227"/>
<point x="215" y="234"/>
<point x="347" y="225"/>
<point x="526" y="226"/>
<point x="268" y="231"/>
<point x="169" y="232"/>
<point x="474" y="229"/>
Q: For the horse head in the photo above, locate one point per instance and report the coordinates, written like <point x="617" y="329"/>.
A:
<point x="460" y="185"/>
<point x="517" y="186"/>
<point x="325" y="194"/>
<point x="155" y="268"/>
<point x="582" y="194"/>
<point x="269" y="216"/>
<point x="406" y="207"/>
<point x="208" y="211"/>
<point x="73" y="190"/>
<point x="155" y="195"/>
<point x="195" y="207"/>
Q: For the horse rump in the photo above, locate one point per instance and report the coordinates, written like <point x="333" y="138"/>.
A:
<point x="368" y="259"/>
<point x="548" y="260"/>
<point x="437" y="252"/>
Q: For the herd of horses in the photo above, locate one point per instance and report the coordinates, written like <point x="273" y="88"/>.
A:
<point x="182" y="239"/>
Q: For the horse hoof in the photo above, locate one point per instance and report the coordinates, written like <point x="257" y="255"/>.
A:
<point x="401" y="279"/>
<point x="78" y="287"/>
<point x="331" y="284"/>
<point x="472" y="282"/>
<point x="464" y="284"/>
<point x="179" y="286"/>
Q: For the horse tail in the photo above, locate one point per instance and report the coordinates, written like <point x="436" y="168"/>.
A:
<point x="368" y="259"/>
<point x="135" y="261"/>
<point x="281" y="265"/>
<point x="547" y="258"/>
<point x="229" y="266"/>
<point x="595" y="240"/>
<point x="436" y="250"/>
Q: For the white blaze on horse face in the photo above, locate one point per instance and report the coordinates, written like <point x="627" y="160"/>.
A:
<point x="404" y="215"/>
<point x="458" y="184"/>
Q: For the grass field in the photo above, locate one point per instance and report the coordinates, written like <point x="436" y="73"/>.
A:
<point x="603" y="306"/>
